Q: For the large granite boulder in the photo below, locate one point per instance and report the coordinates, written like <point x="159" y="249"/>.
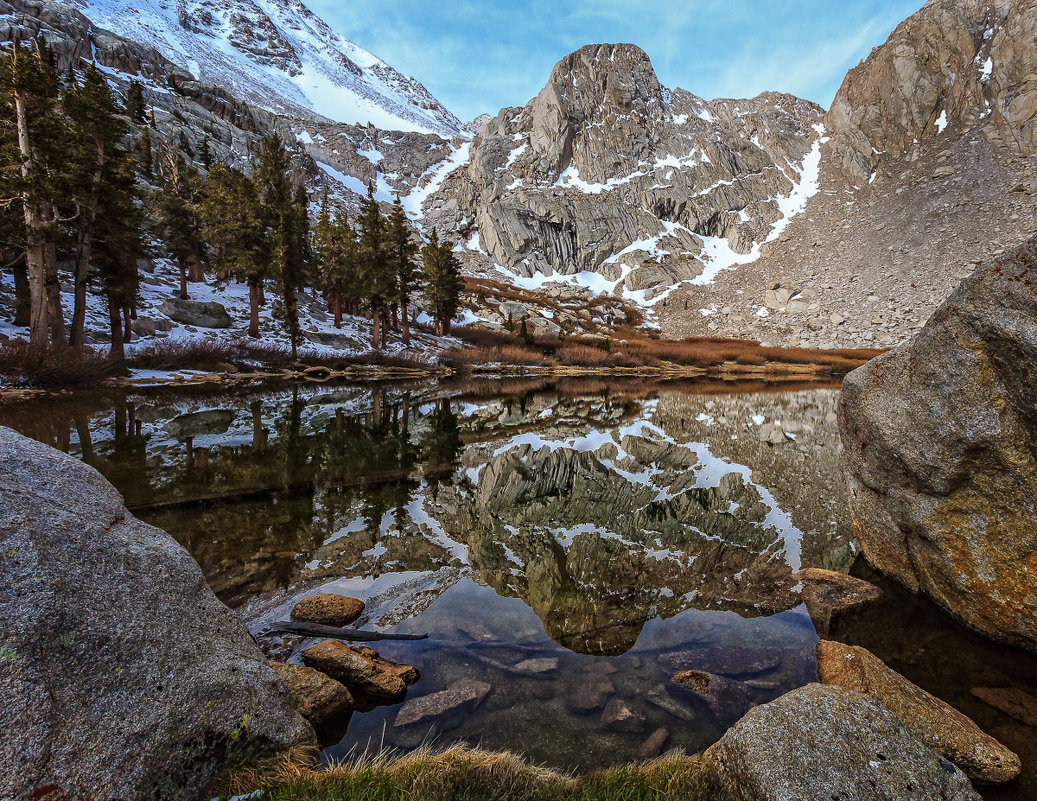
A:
<point x="123" y="677"/>
<point x="195" y="312"/>
<point x="820" y="743"/>
<point x="940" y="460"/>
<point x="938" y="725"/>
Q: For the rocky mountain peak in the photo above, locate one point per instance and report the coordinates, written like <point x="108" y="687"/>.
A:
<point x="596" y="110"/>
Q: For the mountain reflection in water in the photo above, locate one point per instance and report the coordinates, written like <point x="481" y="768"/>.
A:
<point x="570" y="544"/>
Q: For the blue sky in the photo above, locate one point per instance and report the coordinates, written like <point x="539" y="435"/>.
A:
<point x="481" y="56"/>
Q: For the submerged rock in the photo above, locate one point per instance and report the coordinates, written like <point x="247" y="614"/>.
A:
<point x="940" y="464"/>
<point x="726" y="698"/>
<point x="618" y="715"/>
<point x="328" y="609"/>
<point x="828" y="593"/>
<point x="199" y="424"/>
<point x="589" y="691"/>
<point x="122" y="674"/>
<point x="935" y="723"/>
<point x="653" y="744"/>
<point x="458" y="699"/>
<point x="818" y="743"/>
<point x="195" y="312"/>
<point x="1014" y="702"/>
<point x="319" y="698"/>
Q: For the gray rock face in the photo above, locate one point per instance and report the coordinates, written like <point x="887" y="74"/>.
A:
<point x="123" y="676"/>
<point x="939" y="456"/>
<point x="196" y="312"/>
<point x="608" y="171"/>
<point x="818" y="743"/>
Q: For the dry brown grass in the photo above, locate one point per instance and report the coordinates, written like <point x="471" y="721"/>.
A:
<point x="465" y="774"/>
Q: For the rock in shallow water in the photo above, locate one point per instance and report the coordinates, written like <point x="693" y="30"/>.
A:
<point x="122" y="674"/>
<point x="319" y="698"/>
<point x="818" y="743"/>
<point x="459" y="698"/>
<point x="940" y="463"/>
<point x="937" y="724"/>
<point x="328" y="609"/>
<point x="360" y="669"/>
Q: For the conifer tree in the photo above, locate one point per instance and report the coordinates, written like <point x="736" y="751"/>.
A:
<point x="443" y="282"/>
<point x="104" y="193"/>
<point x="402" y="252"/>
<point x="204" y="154"/>
<point x="286" y="225"/>
<point x="29" y="88"/>
<point x="147" y="156"/>
<point x="376" y="270"/>
<point x="179" y="216"/>
<point x="233" y="226"/>
<point x="135" y="109"/>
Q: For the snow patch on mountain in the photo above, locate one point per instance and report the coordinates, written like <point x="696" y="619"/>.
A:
<point x="278" y="55"/>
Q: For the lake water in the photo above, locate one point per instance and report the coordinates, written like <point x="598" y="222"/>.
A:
<point x="570" y="544"/>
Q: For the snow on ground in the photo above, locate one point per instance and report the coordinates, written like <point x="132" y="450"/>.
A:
<point x="163" y="284"/>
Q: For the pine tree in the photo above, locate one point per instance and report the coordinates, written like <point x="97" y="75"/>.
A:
<point x="234" y="227"/>
<point x="286" y="224"/>
<point x="105" y="195"/>
<point x="147" y="157"/>
<point x="185" y="145"/>
<point x="204" y="154"/>
<point x="376" y="270"/>
<point x="179" y="216"/>
<point x="402" y="258"/>
<point x="29" y="88"/>
<point x="135" y="107"/>
<point x="443" y="282"/>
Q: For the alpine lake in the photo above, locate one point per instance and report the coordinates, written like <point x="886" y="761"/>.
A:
<point x="569" y="543"/>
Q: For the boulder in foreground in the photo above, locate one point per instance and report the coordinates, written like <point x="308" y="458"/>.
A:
<point x="818" y="743"/>
<point x="123" y="675"/>
<point x="938" y="725"/>
<point x="940" y="461"/>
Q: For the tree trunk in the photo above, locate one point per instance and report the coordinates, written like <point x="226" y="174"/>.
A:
<point x="127" y="331"/>
<point x="34" y="239"/>
<point x="337" y="307"/>
<point x="22" y="315"/>
<point x="375" y="331"/>
<point x="83" y="255"/>
<point x="57" y="318"/>
<point x="183" y="280"/>
<point x="195" y="273"/>
<point x="385" y="327"/>
<point x="118" y="352"/>
<point x="254" y="289"/>
<point x="405" y="322"/>
<point x="395" y="317"/>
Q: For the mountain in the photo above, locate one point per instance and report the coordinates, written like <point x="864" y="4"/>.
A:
<point x="277" y="55"/>
<point x="609" y="179"/>
<point x="931" y="169"/>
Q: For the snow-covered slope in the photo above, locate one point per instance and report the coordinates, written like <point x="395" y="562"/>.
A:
<point x="278" y="55"/>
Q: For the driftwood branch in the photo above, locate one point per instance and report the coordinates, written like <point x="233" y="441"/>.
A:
<point x="354" y="635"/>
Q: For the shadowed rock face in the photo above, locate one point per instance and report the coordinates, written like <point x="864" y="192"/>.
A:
<point x="123" y="676"/>
<point x="940" y="462"/>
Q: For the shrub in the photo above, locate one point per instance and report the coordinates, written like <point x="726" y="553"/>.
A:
<point x="55" y="367"/>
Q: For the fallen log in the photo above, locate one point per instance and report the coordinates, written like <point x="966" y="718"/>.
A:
<point x="331" y="632"/>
